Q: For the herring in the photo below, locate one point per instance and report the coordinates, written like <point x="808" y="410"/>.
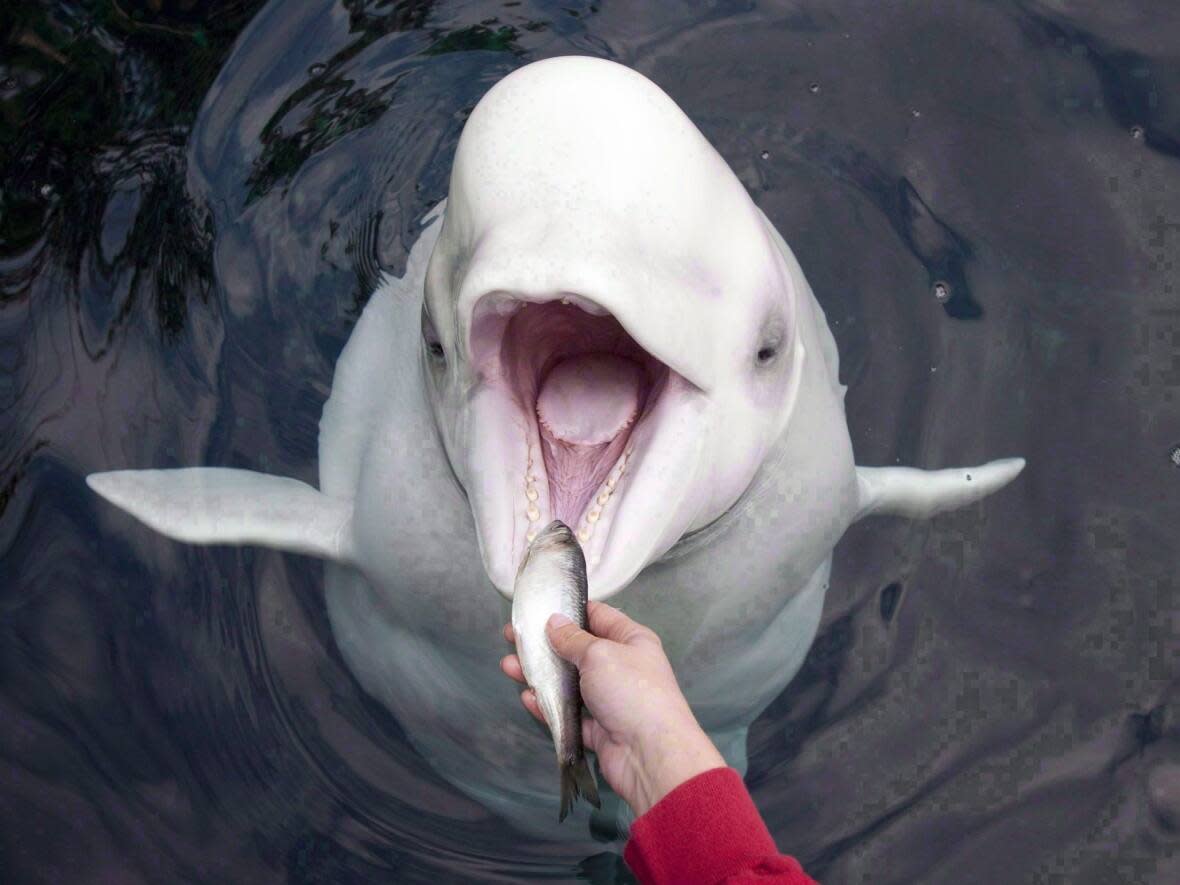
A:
<point x="552" y="579"/>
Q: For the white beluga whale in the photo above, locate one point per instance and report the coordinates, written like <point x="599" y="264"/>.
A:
<point x="597" y="326"/>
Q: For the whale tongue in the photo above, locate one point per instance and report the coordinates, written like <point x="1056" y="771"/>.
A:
<point x="587" y="405"/>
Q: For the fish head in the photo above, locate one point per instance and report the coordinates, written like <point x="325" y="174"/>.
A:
<point x="609" y="328"/>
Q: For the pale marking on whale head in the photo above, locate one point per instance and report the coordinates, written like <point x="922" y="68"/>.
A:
<point x="609" y="327"/>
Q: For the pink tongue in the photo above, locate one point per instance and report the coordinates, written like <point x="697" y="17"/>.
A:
<point x="585" y="405"/>
<point x="586" y="400"/>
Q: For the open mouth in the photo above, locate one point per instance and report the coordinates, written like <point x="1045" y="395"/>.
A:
<point x="580" y="411"/>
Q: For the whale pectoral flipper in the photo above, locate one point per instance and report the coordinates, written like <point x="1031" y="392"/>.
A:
<point x="214" y="505"/>
<point x="906" y="491"/>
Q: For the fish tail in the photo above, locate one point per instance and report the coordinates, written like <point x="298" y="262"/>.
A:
<point x="577" y="779"/>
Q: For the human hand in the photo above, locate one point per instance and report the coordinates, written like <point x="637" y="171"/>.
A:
<point x="647" y="740"/>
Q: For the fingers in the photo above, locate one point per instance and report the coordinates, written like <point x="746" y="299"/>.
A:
<point x="510" y="664"/>
<point x="592" y="734"/>
<point x="610" y="623"/>
<point x="528" y="697"/>
<point x="509" y="635"/>
<point x="568" y="639"/>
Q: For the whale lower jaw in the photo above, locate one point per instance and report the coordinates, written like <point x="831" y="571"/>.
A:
<point x="571" y="419"/>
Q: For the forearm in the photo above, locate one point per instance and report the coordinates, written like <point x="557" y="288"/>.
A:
<point x="667" y="757"/>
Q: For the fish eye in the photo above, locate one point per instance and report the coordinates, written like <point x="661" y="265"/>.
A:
<point x="766" y="354"/>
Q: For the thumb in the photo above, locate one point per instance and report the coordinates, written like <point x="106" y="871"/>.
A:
<point x="568" y="639"/>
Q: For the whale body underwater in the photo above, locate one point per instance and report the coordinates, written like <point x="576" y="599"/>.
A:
<point x="597" y="325"/>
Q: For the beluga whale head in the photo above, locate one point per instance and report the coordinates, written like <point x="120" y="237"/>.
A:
<point x="609" y="327"/>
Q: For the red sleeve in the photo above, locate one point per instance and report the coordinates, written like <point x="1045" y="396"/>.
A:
<point x="708" y="831"/>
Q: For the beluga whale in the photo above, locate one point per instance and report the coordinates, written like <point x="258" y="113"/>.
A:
<point x="597" y="326"/>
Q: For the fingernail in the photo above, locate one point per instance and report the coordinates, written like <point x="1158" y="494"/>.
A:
<point x="558" y="620"/>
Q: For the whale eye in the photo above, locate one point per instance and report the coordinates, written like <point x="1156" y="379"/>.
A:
<point x="770" y="344"/>
<point x="430" y="337"/>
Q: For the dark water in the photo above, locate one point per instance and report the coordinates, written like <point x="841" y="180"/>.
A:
<point x="985" y="197"/>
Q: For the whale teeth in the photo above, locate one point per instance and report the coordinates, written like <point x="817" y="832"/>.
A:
<point x="595" y="512"/>
<point x="585" y="305"/>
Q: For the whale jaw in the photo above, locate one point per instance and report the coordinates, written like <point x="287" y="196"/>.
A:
<point x="572" y="419"/>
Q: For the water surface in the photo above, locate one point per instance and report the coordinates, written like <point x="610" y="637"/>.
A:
<point x="195" y="201"/>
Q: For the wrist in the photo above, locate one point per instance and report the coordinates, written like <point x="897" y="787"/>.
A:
<point x="668" y="757"/>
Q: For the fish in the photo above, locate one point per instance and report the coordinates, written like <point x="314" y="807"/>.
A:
<point x="552" y="579"/>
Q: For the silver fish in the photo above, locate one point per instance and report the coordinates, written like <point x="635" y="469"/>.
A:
<point x="552" y="578"/>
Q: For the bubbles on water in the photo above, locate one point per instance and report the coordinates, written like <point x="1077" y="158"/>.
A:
<point x="942" y="291"/>
<point x="813" y="88"/>
<point x="1138" y="132"/>
<point x="765" y="155"/>
<point x="1174" y="455"/>
<point x="317" y="69"/>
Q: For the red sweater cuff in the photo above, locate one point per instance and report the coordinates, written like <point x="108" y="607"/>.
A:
<point x="706" y="831"/>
